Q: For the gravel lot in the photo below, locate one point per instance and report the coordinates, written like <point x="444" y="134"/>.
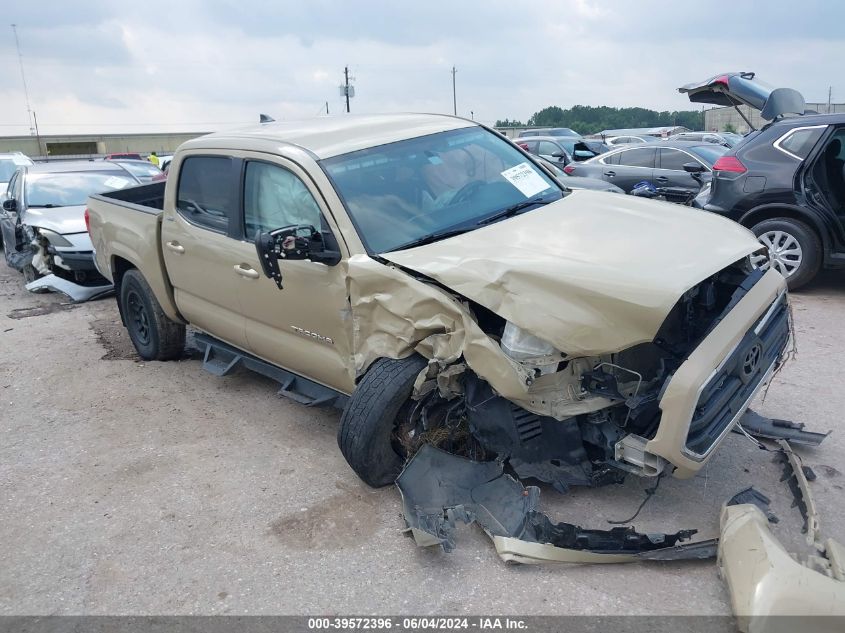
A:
<point x="155" y="488"/>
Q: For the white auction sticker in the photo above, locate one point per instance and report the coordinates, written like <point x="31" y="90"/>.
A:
<point x="116" y="183"/>
<point x="524" y="178"/>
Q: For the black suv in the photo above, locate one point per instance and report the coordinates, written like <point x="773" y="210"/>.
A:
<point x="785" y="181"/>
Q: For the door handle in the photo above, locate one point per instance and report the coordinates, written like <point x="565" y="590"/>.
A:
<point x="176" y="247"/>
<point x="245" y="271"/>
<point x="610" y="174"/>
<point x="662" y="179"/>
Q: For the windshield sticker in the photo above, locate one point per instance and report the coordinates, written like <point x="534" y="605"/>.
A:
<point x="116" y="183"/>
<point x="528" y="181"/>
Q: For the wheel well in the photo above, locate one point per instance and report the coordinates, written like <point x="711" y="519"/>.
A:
<point x="119" y="268"/>
<point x="771" y="213"/>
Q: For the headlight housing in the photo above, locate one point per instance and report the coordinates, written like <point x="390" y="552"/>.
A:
<point x="530" y="350"/>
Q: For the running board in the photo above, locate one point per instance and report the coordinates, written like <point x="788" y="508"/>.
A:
<point x="221" y="359"/>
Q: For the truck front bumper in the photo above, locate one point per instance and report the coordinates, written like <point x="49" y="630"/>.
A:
<point x="711" y="390"/>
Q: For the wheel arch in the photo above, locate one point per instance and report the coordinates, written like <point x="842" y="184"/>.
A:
<point x="773" y="211"/>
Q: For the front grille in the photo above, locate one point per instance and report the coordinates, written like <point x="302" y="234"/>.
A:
<point x="728" y="391"/>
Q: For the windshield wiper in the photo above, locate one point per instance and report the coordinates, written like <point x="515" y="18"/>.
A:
<point x="49" y="205"/>
<point x="513" y="210"/>
<point x="431" y="237"/>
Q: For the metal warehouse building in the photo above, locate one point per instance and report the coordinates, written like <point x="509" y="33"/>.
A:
<point x="716" y="119"/>
<point x="90" y="145"/>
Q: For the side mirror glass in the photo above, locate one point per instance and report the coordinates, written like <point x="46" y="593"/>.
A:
<point x="296" y="242"/>
<point x="693" y="168"/>
<point x="10" y="204"/>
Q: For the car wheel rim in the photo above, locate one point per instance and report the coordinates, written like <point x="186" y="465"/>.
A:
<point x="785" y="253"/>
<point x="138" y="317"/>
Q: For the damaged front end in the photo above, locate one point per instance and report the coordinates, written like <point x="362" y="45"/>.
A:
<point x="494" y="390"/>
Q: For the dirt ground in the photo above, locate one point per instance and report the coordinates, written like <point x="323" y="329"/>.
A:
<point x="134" y="487"/>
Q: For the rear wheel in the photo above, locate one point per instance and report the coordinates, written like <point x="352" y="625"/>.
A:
<point x="794" y="248"/>
<point x="154" y="335"/>
<point x="368" y="426"/>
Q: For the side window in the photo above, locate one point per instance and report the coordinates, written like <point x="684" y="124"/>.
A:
<point x="548" y="148"/>
<point x="801" y="142"/>
<point x="673" y="159"/>
<point x="639" y="157"/>
<point x="205" y="195"/>
<point x="275" y="197"/>
<point x="613" y="159"/>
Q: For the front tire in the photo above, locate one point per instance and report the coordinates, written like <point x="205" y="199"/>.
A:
<point x="369" y="421"/>
<point x="794" y="248"/>
<point x="154" y="335"/>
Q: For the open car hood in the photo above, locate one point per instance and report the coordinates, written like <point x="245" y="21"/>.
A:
<point x="590" y="273"/>
<point x="742" y="88"/>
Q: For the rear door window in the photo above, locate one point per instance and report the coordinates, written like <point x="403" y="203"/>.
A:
<point x="638" y="157"/>
<point x="801" y="142"/>
<point x="547" y="148"/>
<point x="206" y="194"/>
<point x="674" y="159"/>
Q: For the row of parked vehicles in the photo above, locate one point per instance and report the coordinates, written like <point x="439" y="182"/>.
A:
<point x="356" y="260"/>
<point x="785" y="181"/>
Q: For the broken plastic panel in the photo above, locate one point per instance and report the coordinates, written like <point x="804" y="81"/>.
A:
<point x="440" y="490"/>
<point x="76" y="292"/>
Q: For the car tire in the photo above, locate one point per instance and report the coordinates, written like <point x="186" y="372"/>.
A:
<point x="154" y="335"/>
<point x="367" y="426"/>
<point x="791" y="242"/>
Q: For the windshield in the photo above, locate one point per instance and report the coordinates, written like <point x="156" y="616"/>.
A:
<point x="709" y="153"/>
<point x="731" y="137"/>
<point x="402" y="192"/>
<point x="142" y="170"/>
<point x="67" y="189"/>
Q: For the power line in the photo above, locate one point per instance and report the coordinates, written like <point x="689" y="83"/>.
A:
<point x="23" y="79"/>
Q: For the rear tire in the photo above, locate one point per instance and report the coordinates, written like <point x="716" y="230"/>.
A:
<point x="369" y="421"/>
<point x="154" y="335"/>
<point x="795" y="248"/>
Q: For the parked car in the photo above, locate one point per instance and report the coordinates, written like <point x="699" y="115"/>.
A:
<point x="577" y="182"/>
<point x="662" y="164"/>
<point x="143" y="170"/>
<point x="123" y="156"/>
<point x="549" y="131"/>
<point x="562" y="149"/>
<point x="727" y="139"/>
<point x="42" y="223"/>
<point x="424" y="274"/>
<point x="9" y="163"/>
<point x="785" y="181"/>
<point x="613" y="141"/>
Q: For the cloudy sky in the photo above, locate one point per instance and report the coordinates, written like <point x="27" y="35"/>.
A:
<point x="112" y="66"/>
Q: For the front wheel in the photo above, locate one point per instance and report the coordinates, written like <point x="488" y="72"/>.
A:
<point x="795" y="250"/>
<point x="368" y="426"/>
<point x="154" y="335"/>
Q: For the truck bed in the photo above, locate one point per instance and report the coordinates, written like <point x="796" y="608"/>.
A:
<point x="125" y="229"/>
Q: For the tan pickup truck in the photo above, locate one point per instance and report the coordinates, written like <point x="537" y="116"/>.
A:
<point x="431" y="279"/>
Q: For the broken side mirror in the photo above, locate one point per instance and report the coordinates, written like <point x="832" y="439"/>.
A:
<point x="10" y="205"/>
<point x="295" y="242"/>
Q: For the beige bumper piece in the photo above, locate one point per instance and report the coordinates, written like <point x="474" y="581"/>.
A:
<point x="766" y="582"/>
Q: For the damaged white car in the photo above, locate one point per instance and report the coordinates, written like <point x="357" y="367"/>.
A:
<point x="43" y="226"/>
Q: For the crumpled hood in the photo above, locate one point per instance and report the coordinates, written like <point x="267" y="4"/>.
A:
<point x="62" y="220"/>
<point x="590" y="273"/>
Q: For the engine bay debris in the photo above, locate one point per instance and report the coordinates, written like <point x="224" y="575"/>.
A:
<point x="440" y="490"/>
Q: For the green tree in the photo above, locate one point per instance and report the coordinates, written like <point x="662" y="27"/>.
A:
<point x="509" y="123"/>
<point x="593" y="119"/>
<point x="729" y="127"/>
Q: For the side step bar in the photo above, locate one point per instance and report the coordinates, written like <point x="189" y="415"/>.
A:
<point x="222" y="359"/>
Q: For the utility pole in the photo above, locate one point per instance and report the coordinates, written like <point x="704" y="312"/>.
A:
<point x="327" y="107"/>
<point x="346" y="84"/>
<point x="454" y="98"/>
<point x="829" y="93"/>
<point x="23" y="79"/>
